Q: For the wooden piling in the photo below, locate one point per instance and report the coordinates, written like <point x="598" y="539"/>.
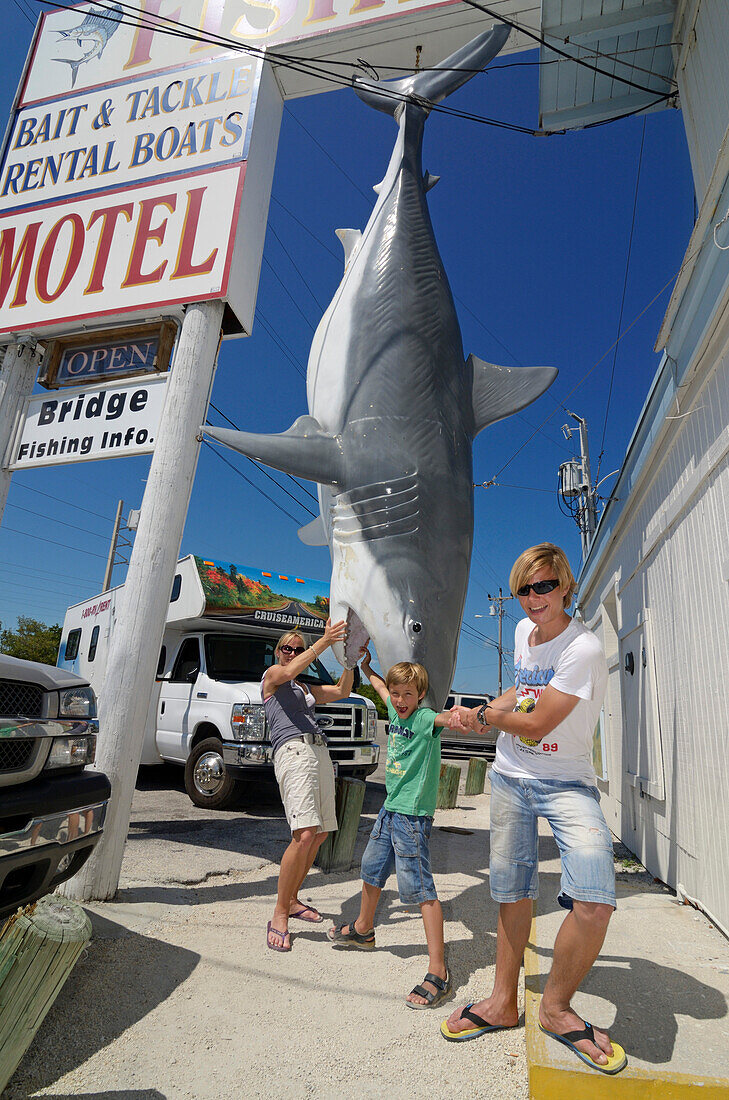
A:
<point x="476" y="778"/>
<point x="337" y="851"/>
<point x="450" y="777"/>
<point x="38" y="949"/>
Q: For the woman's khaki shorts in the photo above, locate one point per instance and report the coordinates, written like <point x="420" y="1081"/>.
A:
<point x="305" y="779"/>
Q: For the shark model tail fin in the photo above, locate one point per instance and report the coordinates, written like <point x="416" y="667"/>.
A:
<point x="434" y="85"/>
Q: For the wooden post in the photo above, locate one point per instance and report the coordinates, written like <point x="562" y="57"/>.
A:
<point x="337" y="851"/>
<point x="38" y="950"/>
<point x="135" y="642"/>
<point x="476" y="778"/>
<point x="17" y="374"/>
<point x="450" y="777"/>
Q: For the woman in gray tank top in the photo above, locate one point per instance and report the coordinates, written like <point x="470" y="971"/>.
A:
<point x="303" y="768"/>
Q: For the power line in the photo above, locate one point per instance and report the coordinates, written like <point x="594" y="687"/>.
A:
<point x="73" y="526"/>
<point x="53" y="542"/>
<point x="251" y="483"/>
<point x="59" y="500"/>
<point x="555" y="49"/>
<point x="13" y="566"/>
<point x="296" y="267"/>
<point x="258" y="464"/>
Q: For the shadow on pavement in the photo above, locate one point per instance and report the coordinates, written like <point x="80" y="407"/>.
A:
<point x="98" y="1003"/>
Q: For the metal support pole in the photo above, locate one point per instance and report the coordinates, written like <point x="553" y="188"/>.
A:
<point x="144" y="600"/>
<point x="17" y="375"/>
<point x="501" y="619"/>
<point x="112" y="549"/>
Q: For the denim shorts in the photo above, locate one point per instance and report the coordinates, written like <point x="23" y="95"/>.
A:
<point x="576" y="820"/>
<point x="400" y="841"/>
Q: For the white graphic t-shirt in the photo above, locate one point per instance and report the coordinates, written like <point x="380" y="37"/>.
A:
<point x="575" y="664"/>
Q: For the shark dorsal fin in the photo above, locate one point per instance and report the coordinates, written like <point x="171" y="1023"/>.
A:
<point x="350" y="238"/>
<point x="501" y="391"/>
<point x="429" y="180"/>
<point x="305" y="450"/>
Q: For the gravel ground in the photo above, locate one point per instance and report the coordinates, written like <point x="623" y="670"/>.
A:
<point x="177" y="996"/>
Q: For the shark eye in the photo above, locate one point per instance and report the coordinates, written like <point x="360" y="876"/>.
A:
<point x="416" y="627"/>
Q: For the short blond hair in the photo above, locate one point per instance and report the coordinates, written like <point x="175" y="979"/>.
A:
<point x="289" y="636"/>
<point x="407" y="672"/>
<point x="544" y="556"/>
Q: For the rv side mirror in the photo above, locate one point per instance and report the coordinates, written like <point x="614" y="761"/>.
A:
<point x="357" y="678"/>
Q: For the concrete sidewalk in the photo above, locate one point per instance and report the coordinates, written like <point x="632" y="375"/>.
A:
<point x="178" y="997"/>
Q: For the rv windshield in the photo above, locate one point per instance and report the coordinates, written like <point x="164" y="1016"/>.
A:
<point x="233" y="658"/>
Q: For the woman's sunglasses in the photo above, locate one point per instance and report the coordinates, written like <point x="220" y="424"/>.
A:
<point x="541" y="588"/>
<point x="289" y="649"/>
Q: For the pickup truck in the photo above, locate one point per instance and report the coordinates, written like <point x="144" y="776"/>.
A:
<point x="51" y="809"/>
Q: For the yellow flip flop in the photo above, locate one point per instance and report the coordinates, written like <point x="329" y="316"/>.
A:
<point x="481" y="1027"/>
<point x="617" y="1061"/>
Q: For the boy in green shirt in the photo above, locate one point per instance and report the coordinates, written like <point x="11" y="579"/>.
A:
<point x="400" y="837"/>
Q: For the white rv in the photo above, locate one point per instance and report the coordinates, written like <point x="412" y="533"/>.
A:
<point x="206" y="711"/>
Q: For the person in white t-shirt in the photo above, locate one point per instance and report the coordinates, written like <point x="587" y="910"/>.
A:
<point x="543" y="768"/>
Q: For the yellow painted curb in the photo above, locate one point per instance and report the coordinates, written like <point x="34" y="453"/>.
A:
<point x="549" y="1080"/>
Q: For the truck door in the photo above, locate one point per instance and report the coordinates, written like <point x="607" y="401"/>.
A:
<point x="175" y="702"/>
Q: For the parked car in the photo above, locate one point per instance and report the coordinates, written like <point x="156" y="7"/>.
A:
<point x="463" y="745"/>
<point x="51" y="808"/>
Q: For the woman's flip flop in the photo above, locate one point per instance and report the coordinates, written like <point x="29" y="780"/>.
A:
<point x="617" y="1061"/>
<point x="317" y="918"/>
<point x="283" y="935"/>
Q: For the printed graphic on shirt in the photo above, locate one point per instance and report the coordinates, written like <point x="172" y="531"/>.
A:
<point x="526" y="705"/>
<point x="398" y="750"/>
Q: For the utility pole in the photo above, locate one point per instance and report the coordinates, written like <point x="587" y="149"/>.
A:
<point x="143" y="603"/>
<point x="575" y="482"/>
<point x="500" y="600"/>
<point x="112" y="549"/>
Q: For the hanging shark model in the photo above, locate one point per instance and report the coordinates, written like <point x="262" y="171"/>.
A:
<point x="394" y="409"/>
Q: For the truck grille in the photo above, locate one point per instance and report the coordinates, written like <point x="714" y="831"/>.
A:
<point x="349" y="722"/>
<point x="18" y="698"/>
<point x="15" y="755"/>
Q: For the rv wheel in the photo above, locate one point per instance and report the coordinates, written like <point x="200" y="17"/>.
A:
<point x="206" y="780"/>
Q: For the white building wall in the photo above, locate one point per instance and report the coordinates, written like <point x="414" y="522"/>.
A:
<point x="702" y="73"/>
<point x="668" y="568"/>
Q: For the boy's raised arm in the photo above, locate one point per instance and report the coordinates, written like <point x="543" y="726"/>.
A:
<point x="374" y="677"/>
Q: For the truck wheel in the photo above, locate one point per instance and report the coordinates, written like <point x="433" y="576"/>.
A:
<point x="206" y="780"/>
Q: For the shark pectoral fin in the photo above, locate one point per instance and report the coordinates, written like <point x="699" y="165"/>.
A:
<point x="501" y="391"/>
<point x="305" y="450"/>
<point x="313" y="534"/>
<point x="429" y="181"/>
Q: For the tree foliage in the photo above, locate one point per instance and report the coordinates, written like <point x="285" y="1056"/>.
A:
<point x="369" y="693"/>
<point x="32" y="641"/>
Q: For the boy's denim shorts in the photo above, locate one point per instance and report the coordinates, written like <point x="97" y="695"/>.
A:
<point x="583" y="838"/>
<point x="400" y="841"/>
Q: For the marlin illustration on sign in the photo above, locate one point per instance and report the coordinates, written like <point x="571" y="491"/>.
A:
<point x="395" y="407"/>
<point x="91" y="36"/>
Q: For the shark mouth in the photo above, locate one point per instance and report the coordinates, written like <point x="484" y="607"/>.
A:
<point x="355" y="638"/>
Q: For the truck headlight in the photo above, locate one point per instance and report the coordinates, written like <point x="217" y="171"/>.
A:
<point x="69" y="752"/>
<point x="248" y="722"/>
<point x="371" y="723"/>
<point x="77" y="702"/>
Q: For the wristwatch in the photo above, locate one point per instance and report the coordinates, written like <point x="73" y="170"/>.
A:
<point x="481" y="714"/>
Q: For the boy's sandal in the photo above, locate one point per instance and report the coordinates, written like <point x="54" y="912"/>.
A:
<point x="443" y="986"/>
<point x="364" y="941"/>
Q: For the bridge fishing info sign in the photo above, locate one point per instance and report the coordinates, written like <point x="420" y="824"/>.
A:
<point x="123" y="181"/>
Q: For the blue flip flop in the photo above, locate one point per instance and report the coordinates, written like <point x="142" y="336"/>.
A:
<point x="617" y="1061"/>
<point x="482" y="1026"/>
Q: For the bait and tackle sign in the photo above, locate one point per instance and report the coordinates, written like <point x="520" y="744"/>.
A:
<point x="129" y="198"/>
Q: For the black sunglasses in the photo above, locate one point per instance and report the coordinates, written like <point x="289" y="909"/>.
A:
<point x="541" y="588"/>
<point x="287" y="649"/>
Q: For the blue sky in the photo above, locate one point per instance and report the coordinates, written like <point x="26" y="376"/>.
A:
<point x="534" y="233"/>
